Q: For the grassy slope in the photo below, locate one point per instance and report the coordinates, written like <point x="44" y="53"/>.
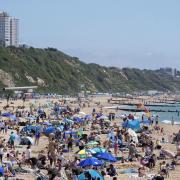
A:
<point x="65" y="74"/>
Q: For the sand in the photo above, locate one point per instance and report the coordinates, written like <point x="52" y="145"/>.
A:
<point x="168" y="129"/>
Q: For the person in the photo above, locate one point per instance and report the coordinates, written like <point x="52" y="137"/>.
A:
<point x="172" y="121"/>
<point x="141" y="172"/>
<point x="152" y="161"/>
<point x="52" y="172"/>
<point x="1" y="152"/>
<point x="6" y="127"/>
<point x="177" y="141"/>
<point x="28" y="154"/>
<point x="70" y="142"/>
<point x="164" y="169"/>
<point x="157" y="120"/>
<point x="37" y="137"/>
<point x="116" y="148"/>
<point x="11" y="140"/>
<point x="111" y="170"/>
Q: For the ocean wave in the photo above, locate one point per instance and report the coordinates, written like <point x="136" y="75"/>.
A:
<point x="169" y="122"/>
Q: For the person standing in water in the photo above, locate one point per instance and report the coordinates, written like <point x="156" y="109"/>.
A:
<point x="157" y="120"/>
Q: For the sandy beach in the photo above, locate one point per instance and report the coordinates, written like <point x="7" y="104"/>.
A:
<point x="102" y="102"/>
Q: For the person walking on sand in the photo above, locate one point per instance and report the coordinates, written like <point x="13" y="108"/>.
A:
<point x="37" y="137"/>
<point x="116" y="148"/>
<point x="172" y="121"/>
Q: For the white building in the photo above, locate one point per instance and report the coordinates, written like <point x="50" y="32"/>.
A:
<point x="9" y="30"/>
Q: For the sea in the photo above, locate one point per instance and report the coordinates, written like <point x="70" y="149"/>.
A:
<point x="164" y="117"/>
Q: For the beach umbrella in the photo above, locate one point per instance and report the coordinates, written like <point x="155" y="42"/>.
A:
<point x="60" y="128"/>
<point x="6" y="114"/>
<point x="13" y="117"/>
<point x="92" y="143"/>
<point x="82" y="113"/>
<point x="98" y="150"/>
<point x="78" y="120"/>
<point x="49" y="130"/>
<point x="31" y="118"/>
<point x="47" y="123"/>
<point x="1" y="171"/>
<point x="68" y="120"/>
<point x="86" y="151"/>
<point x="121" y="116"/>
<point x="90" y="162"/>
<point x="88" y="117"/>
<point x="94" y="174"/>
<point x="9" y="115"/>
<point x="106" y="156"/>
<point x="102" y="117"/>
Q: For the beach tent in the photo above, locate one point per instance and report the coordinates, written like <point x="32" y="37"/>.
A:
<point x="106" y="156"/>
<point x="94" y="174"/>
<point x="26" y="141"/>
<point x="90" y="162"/>
<point x="133" y="124"/>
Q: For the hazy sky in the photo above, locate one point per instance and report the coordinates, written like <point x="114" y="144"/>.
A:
<point x="131" y="33"/>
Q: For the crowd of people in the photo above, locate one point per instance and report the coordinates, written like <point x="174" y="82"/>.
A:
<point x="82" y="146"/>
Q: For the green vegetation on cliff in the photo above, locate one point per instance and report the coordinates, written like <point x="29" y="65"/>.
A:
<point x="54" y="71"/>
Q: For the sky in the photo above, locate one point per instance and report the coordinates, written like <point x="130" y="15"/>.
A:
<point x="122" y="33"/>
